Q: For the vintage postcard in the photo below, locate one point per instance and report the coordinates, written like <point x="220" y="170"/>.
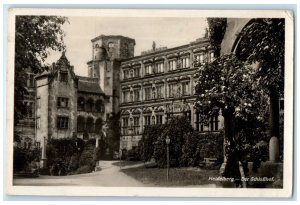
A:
<point x="182" y="103"/>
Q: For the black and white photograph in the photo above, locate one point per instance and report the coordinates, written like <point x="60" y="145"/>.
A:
<point x="150" y="102"/>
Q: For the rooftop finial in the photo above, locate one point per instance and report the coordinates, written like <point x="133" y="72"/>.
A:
<point x="206" y="35"/>
<point x="153" y="45"/>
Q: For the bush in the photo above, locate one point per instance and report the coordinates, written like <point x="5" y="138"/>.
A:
<point x="84" y="169"/>
<point x="23" y="157"/>
<point x="177" y="129"/>
<point x="134" y="155"/>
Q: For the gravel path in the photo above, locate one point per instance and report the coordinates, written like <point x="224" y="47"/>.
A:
<point x="110" y="175"/>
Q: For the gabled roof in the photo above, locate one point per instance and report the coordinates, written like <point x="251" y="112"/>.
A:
<point x="89" y="85"/>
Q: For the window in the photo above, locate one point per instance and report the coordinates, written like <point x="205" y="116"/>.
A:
<point x="62" y="122"/>
<point x="172" y="65"/>
<point x="131" y="73"/>
<point x="80" y="103"/>
<point x="136" y="95"/>
<point x="99" y="106"/>
<point x="214" y="123"/>
<point x="148" y="93"/>
<point x="125" y="126"/>
<point x="98" y="125"/>
<point x="159" y="119"/>
<point x="159" y="67"/>
<point x="126" y="74"/>
<point x="148" y="69"/>
<point x="90" y="125"/>
<point x="62" y="102"/>
<point x="185" y="62"/>
<point x="186" y="88"/>
<point x="160" y="91"/>
<point x="172" y="90"/>
<point x="80" y="124"/>
<point x="89" y="105"/>
<point x="136" y="71"/>
<point x="29" y="109"/>
<point x="131" y="96"/>
<point x="38" y="123"/>
<point x="147" y="120"/>
<point x="126" y="96"/>
<point x="63" y="77"/>
<point x="38" y="102"/>
<point x="136" y="125"/>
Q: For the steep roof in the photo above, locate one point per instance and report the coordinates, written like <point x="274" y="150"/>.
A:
<point x="89" y="85"/>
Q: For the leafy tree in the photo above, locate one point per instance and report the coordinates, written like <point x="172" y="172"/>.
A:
<point x="35" y="36"/>
<point x="227" y="84"/>
<point x="263" y="42"/>
<point x="217" y="28"/>
<point x="113" y="132"/>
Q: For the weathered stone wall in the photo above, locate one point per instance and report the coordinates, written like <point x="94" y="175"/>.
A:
<point x="67" y="90"/>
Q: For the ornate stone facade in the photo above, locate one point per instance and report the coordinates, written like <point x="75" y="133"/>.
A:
<point x="160" y="84"/>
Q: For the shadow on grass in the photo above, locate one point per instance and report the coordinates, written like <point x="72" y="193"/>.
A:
<point x="177" y="176"/>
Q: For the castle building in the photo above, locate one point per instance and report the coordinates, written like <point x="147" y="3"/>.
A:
<point x="159" y="84"/>
<point x="145" y="90"/>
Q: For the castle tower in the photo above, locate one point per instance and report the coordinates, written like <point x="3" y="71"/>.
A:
<point x="107" y="52"/>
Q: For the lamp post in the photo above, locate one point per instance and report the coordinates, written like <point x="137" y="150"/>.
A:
<point x="168" y="157"/>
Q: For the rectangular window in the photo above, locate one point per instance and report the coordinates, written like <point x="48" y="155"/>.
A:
<point x="136" y="95"/>
<point x="185" y="62"/>
<point x="124" y="125"/>
<point x="137" y="71"/>
<point x="186" y="88"/>
<point x="172" y="90"/>
<point x="62" y="102"/>
<point x="147" y="120"/>
<point x="126" y="96"/>
<point x="214" y="123"/>
<point x="159" y="67"/>
<point x="63" y="76"/>
<point x="172" y="65"/>
<point x="159" y="119"/>
<point x="136" y="125"/>
<point x="148" y="93"/>
<point x="148" y="69"/>
<point x="38" y="123"/>
<point x="160" y="91"/>
<point x="62" y="122"/>
<point x="38" y="102"/>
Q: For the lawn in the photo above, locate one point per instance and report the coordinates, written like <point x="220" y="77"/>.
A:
<point x="127" y="163"/>
<point x="177" y="176"/>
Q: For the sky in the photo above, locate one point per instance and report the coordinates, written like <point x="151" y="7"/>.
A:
<point x="169" y="32"/>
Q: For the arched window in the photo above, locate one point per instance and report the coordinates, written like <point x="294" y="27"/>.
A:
<point x="99" y="106"/>
<point x="90" y="125"/>
<point x="80" y="124"/>
<point x="89" y="105"/>
<point x="80" y="103"/>
<point x="98" y="125"/>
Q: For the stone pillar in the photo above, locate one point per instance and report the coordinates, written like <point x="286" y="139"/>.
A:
<point x="97" y="141"/>
<point x="43" y="162"/>
<point x="274" y="149"/>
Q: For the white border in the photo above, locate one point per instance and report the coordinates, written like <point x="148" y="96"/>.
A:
<point x="155" y="191"/>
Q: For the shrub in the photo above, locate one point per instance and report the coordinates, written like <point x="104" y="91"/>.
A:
<point x="23" y="157"/>
<point x="84" y="169"/>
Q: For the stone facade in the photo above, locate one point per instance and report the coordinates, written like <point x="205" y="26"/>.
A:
<point x="67" y="105"/>
<point x="160" y="84"/>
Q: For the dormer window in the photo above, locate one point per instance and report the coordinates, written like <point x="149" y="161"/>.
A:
<point x="63" y="76"/>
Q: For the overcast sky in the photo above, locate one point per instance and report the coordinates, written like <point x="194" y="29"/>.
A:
<point x="169" y="32"/>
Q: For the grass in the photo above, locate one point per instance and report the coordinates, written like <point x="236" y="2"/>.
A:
<point x="127" y="163"/>
<point x="177" y="176"/>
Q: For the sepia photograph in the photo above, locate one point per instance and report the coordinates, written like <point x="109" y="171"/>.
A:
<point x="150" y="103"/>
